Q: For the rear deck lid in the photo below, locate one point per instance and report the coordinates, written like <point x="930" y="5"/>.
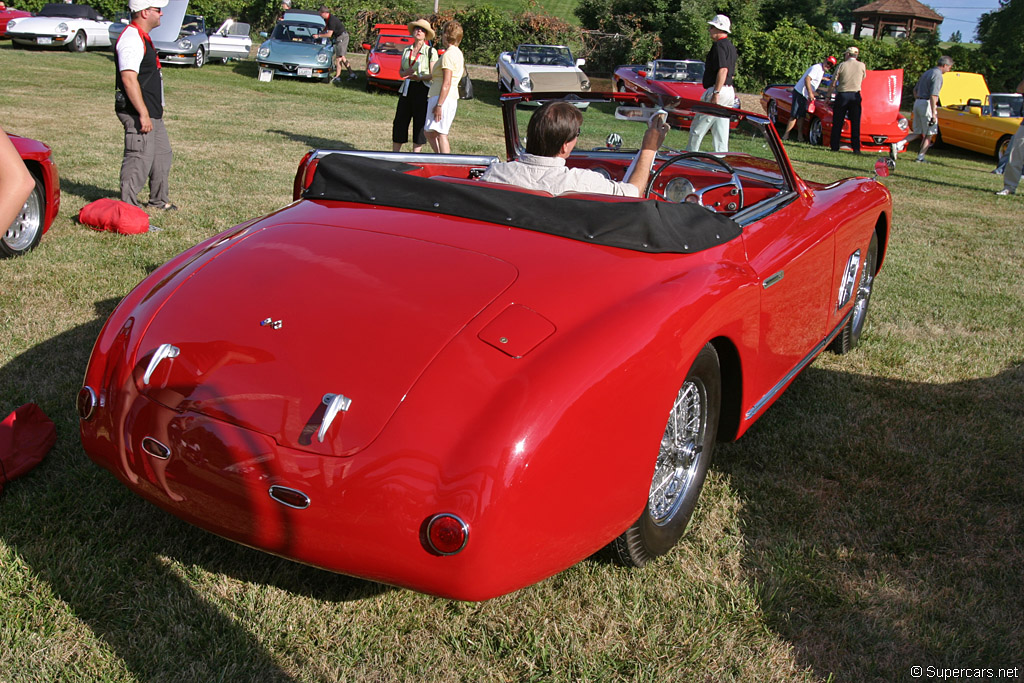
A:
<point x="297" y="313"/>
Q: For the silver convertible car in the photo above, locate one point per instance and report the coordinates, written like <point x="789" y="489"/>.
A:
<point x="294" y="51"/>
<point x="184" y="39"/>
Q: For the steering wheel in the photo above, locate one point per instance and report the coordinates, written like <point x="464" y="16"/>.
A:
<point x="734" y="181"/>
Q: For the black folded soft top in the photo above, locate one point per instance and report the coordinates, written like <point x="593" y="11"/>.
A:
<point x="640" y="225"/>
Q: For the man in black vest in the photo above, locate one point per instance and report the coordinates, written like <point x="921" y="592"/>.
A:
<point x="139" y="103"/>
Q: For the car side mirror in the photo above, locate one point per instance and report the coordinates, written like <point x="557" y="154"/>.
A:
<point x="641" y="74"/>
<point x="973" y="103"/>
<point x="883" y="167"/>
<point x="505" y="57"/>
<point x="580" y="62"/>
<point x="263" y="34"/>
<point x="367" y="46"/>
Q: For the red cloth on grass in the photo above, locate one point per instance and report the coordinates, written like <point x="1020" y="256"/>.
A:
<point x="115" y="216"/>
<point x="26" y="436"/>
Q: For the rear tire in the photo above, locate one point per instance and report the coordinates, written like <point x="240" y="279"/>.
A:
<point x="78" y="43"/>
<point x="681" y="467"/>
<point x="848" y="339"/>
<point x="27" y="229"/>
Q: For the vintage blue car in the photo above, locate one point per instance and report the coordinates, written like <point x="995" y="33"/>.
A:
<point x="294" y="51"/>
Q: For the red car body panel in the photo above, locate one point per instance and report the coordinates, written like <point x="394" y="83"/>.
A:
<point x="517" y="379"/>
<point x="38" y="157"/>
<point x="385" y="56"/>
<point x="881" y="123"/>
<point x="8" y="14"/>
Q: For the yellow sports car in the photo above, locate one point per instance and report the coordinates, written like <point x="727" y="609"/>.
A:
<point x="972" y="118"/>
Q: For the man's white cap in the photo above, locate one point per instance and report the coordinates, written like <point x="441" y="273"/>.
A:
<point x="722" y="23"/>
<point x="139" y="5"/>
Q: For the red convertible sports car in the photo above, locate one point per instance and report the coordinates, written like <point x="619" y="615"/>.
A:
<point x="665" y="77"/>
<point x="463" y="387"/>
<point x="664" y="81"/>
<point x="881" y="123"/>
<point x="8" y="13"/>
<point x="41" y="208"/>
<point x="385" y="56"/>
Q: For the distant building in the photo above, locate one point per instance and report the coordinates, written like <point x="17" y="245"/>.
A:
<point x="898" y="18"/>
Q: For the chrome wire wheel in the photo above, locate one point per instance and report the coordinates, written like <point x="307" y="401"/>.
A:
<point x="849" y="337"/>
<point x="27" y="228"/>
<point x="679" y="459"/>
<point x="773" y="112"/>
<point x="681" y="465"/>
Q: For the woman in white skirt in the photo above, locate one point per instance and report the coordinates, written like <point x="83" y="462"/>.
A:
<point x="443" y="98"/>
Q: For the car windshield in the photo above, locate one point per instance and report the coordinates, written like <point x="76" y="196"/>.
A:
<point x="392" y="45"/>
<point x="612" y="127"/>
<point x="678" y="70"/>
<point x="193" y="24"/>
<point x="1007" y="105"/>
<point x="544" y="55"/>
<point x="292" y="32"/>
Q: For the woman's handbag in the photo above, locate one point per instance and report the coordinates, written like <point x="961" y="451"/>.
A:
<point x="465" y="88"/>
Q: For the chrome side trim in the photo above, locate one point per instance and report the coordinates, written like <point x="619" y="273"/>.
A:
<point x="335" y="403"/>
<point x="155" y="448"/>
<point x="804" y="362"/>
<point x="162" y="352"/>
<point x="774" y="279"/>
<point x="280" y="493"/>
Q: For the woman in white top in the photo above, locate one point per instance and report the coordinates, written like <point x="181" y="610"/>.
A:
<point x="417" y="62"/>
<point x="444" y="89"/>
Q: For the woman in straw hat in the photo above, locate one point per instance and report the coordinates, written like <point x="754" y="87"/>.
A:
<point x="417" y="62"/>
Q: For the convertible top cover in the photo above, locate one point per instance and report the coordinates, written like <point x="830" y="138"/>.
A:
<point x="640" y="225"/>
<point x="59" y="9"/>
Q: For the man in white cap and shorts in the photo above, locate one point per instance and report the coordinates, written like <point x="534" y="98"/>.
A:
<point x="719" y="69"/>
<point x="139" y="103"/>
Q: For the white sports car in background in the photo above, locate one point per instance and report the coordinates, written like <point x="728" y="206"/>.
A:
<point x="542" y="68"/>
<point x="75" y="27"/>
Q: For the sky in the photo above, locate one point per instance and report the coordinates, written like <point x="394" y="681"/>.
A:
<point x="961" y="15"/>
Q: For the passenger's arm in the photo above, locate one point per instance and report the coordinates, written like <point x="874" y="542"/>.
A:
<point x="655" y="134"/>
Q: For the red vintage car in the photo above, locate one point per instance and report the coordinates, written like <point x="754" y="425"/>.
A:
<point x="8" y="13"/>
<point x="463" y="387"/>
<point x="881" y="123"/>
<point x="385" y="56"/>
<point x="662" y="77"/>
<point x="665" y="80"/>
<point x="42" y="205"/>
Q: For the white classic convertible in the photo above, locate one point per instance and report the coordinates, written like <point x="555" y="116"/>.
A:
<point x="75" y="27"/>
<point x="542" y="68"/>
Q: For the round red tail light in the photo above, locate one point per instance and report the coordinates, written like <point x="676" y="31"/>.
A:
<point x="446" y="534"/>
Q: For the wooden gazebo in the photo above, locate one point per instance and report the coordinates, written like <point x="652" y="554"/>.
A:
<point x="908" y="15"/>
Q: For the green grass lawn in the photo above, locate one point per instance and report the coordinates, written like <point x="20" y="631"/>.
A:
<point x="870" y="522"/>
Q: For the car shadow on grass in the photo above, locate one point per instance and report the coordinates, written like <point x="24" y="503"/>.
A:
<point x="123" y="567"/>
<point x="881" y="533"/>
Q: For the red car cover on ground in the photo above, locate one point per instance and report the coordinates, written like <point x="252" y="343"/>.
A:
<point x="115" y="216"/>
<point x="26" y="436"/>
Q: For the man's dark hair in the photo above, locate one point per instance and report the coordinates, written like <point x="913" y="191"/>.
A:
<point x="551" y="126"/>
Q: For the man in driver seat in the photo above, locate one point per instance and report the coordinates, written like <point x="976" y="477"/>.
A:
<point x="550" y="138"/>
